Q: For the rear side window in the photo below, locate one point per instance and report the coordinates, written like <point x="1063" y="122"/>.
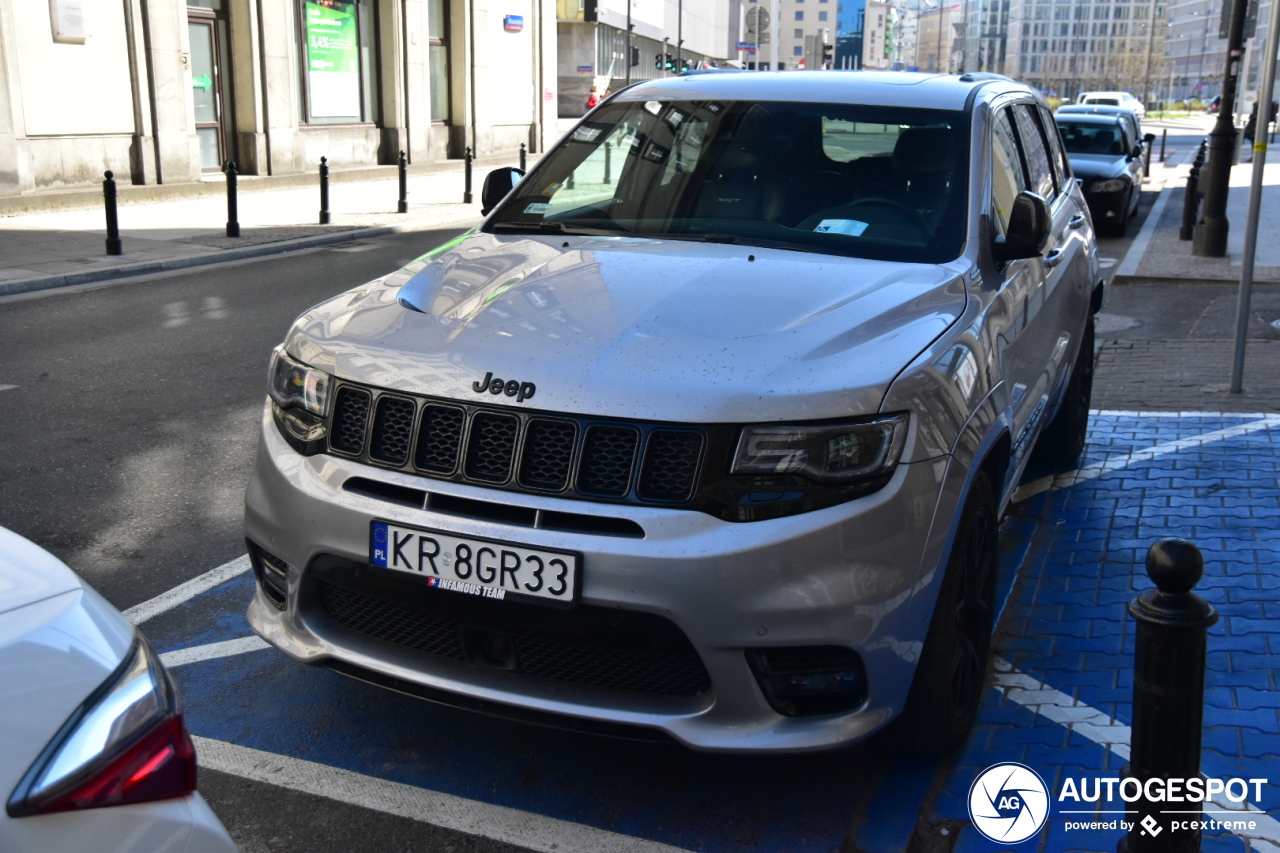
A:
<point x="1061" y="165"/>
<point x="1036" y="151"/>
<point x="1007" y="177"/>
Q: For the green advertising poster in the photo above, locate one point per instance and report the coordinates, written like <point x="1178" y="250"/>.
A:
<point x="333" y="59"/>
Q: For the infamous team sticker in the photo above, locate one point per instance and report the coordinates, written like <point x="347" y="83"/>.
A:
<point x="469" y="588"/>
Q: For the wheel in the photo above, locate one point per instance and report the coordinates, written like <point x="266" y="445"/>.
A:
<point x="952" y="670"/>
<point x="1062" y="441"/>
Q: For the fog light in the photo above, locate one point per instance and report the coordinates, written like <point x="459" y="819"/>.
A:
<point x="806" y="680"/>
<point x="272" y="573"/>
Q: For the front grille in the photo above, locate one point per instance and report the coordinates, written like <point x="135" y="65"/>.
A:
<point x="392" y="430"/>
<point x="492" y="447"/>
<point x="620" y="650"/>
<point x="568" y="455"/>
<point x="608" y="456"/>
<point x="350" y="419"/>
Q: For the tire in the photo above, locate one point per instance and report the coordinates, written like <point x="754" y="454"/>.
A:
<point x="1062" y="441"/>
<point x="951" y="674"/>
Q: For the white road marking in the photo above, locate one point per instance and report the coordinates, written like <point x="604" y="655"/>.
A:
<point x="1100" y="728"/>
<point x="214" y="308"/>
<point x="1138" y="248"/>
<point x="7" y="387"/>
<point x="140" y="613"/>
<point x="209" y="651"/>
<point x="506" y="825"/>
<point x="1124" y="460"/>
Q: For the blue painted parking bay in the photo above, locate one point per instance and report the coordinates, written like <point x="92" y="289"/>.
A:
<point x="1072" y="556"/>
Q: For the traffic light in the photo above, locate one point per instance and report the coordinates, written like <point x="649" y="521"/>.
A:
<point x="660" y="62"/>
<point x="828" y="55"/>
<point x="635" y="56"/>
<point x="685" y="64"/>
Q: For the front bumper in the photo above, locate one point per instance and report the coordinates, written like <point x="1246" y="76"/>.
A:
<point x="860" y="575"/>
<point x="1108" y="208"/>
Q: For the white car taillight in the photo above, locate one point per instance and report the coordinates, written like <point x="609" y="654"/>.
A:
<point x="126" y="743"/>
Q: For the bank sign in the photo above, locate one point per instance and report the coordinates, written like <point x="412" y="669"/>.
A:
<point x="333" y="58"/>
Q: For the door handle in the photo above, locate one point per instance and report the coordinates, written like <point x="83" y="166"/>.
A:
<point x="1054" y="258"/>
<point x="1076" y="221"/>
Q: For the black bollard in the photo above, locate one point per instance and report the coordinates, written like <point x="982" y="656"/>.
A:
<point x="114" y="246"/>
<point x="1190" y="205"/>
<point x="1151" y="144"/>
<point x="324" y="190"/>
<point x="1170" y="645"/>
<point x="524" y="157"/>
<point x="608" y="163"/>
<point x="402" y="206"/>
<point x="466" y="176"/>
<point x="1164" y="138"/>
<point x="233" y="210"/>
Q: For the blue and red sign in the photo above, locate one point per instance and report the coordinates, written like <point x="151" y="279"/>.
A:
<point x="513" y="23"/>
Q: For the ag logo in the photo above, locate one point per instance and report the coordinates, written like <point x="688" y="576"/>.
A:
<point x="1008" y="803"/>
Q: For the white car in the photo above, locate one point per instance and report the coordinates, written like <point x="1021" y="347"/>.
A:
<point x="1114" y="99"/>
<point x="94" y="754"/>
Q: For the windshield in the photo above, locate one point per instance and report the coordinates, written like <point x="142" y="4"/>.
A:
<point x="1091" y="138"/>
<point x="871" y="182"/>
<point x="1104" y="102"/>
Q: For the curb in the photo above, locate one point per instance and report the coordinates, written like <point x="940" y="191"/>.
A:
<point x="32" y="285"/>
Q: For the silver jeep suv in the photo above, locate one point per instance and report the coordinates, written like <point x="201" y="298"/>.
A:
<point x="705" y="432"/>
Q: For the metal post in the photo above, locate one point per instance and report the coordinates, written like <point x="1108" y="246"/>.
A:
<point x="1190" y="204"/>
<point x="608" y="163"/>
<point x="628" y="59"/>
<point x="1151" y="144"/>
<point x="466" y="175"/>
<point x="233" y="210"/>
<point x="1211" y="231"/>
<point x="324" y="190"/>
<point x="1171" y="628"/>
<point x="1164" y="139"/>
<point x="1255" y="199"/>
<point x="524" y="157"/>
<point x="402" y="206"/>
<point x="114" y="246"/>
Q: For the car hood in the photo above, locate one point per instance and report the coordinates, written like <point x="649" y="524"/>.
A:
<point x="638" y="328"/>
<point x="1096" y="167"/>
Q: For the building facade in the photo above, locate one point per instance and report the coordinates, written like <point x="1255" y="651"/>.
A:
<point x="940" y="28"/>
<point x="1066" y="47"/>
<point x="1195" y="53"/>
<point x="984" y="45"/>
<point x="592" y="36"/>
<point x="162" y="91"/>
<point x="795" y="25"/>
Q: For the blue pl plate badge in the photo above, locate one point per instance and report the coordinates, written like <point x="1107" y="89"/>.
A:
<point x="378" y="545"/>
<point x="852" y="227"/>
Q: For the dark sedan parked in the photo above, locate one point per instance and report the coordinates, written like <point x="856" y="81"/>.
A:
<point x="1107" y="159"/>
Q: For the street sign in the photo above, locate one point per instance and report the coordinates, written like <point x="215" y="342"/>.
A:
<point x="202" y="82"/>
<point x="745" y="45"/>
<point x="757" y="23"/>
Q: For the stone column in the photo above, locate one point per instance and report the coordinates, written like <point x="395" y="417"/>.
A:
<point x="252" y="156"/>
<point x="14" y="177"/>
<point x="167" y="55"/>
<point x="142" y="151"/>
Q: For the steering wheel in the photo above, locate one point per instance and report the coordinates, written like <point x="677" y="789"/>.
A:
<point x="913" y="216"/>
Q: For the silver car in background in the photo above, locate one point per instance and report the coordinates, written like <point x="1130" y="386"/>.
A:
<point x="705" y="433"/>
<point x="94" y="755"/>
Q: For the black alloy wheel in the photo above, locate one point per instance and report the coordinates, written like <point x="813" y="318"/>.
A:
<point x="951" y="673"/>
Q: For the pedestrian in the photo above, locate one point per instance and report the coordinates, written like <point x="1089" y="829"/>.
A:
<point x="593" y="99"/>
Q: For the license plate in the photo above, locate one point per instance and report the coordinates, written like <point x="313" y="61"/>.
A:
<point x="482" y="567"/>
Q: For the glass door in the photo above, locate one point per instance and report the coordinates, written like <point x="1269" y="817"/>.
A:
<point x="205" y="91"/>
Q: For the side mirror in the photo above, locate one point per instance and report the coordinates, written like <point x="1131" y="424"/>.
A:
<point x="1029" y="227"/>
<point x="1149" y="138"/>
<point x="1137" y="151"/>
<point x="497" y="184"/>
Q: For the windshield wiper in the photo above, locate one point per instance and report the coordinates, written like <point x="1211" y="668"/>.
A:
<point x="554" y="227"/>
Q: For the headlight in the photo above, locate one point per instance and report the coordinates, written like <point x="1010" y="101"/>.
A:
<point x="293" y="383"/>
<point x="830" y="453"/>
<point x="1108" y="186"/>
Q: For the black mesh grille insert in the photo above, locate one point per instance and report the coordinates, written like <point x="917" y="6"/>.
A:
<point x="392" y="430"/>
<point x="548" y="454"/>
<point x="578" y="649"/>
<point x="608" y="455"/>
<point x="670" y="465"/>
<point x="350" y="419"/>
<point x="438" y="439"/>
<point x="492" y="445"/>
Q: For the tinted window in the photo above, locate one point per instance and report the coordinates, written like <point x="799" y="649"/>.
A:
<point x="1007" y="177"/>
<point x="876" y="182"/>
<point x="1061" y="166"/>
<point x="1036" y="151"/>
<point x="1092" y="138"/>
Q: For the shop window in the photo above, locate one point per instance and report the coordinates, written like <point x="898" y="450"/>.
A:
<point x="339" y="80"/>
<point x="438" y="49"/>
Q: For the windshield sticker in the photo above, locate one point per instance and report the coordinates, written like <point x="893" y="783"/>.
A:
<point x="654" y="107"/>
<point x="537" y="207"/>
<point x="552" y="189"/>
<point x="852" y="227"/>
